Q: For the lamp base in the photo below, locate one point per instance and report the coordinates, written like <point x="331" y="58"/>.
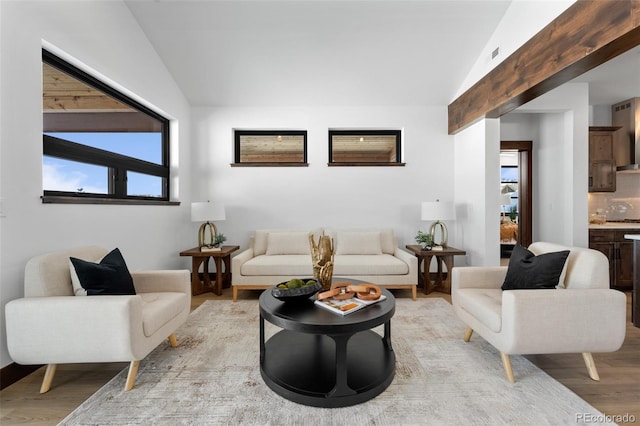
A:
<point x="202" y="232"/>
<point x="443" y="232"/>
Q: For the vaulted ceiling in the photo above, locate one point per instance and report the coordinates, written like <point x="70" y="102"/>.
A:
<point x="336" y="52"/>
<point x="319" y="52"/>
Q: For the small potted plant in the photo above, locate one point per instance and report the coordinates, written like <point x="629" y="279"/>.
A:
<point x="218" y="240"/>
<point x="425" y="240"/>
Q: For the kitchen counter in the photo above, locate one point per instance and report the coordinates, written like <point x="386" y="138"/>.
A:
<point x="616" y="225"/>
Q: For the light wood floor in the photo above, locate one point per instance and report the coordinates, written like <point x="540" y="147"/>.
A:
<point x="617" y="393"/>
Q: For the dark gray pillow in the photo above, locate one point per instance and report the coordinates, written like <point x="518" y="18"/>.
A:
<point x="528" y="272"/>
<point x="111" y="276"/>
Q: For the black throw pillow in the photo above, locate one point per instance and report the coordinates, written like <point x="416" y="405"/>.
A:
<point x="529" y="272"/>
<point x="110" y="276"/>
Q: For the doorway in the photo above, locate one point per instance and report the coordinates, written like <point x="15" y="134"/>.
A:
<point x="515" y="195"/>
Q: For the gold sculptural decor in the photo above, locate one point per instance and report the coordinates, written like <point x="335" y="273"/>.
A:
<point x="322" y="259"/>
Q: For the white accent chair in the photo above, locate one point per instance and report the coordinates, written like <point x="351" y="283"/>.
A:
<point x="52" y="326"/>
<point x="585" y="316"/>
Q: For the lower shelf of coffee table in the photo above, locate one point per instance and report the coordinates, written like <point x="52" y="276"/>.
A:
<point x="303" y="368"/>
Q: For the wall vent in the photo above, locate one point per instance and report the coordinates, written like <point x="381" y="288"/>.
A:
<point x="495" y="53"/>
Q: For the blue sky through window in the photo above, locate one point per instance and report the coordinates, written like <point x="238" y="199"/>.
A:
<point x="65" y="175"/>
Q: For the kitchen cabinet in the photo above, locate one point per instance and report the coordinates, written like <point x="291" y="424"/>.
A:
<point x="619" y="251"/>
<point x="626" y="114"/>
<point x="602" y="164"/>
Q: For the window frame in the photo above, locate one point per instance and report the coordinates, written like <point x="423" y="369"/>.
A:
<point x="117" y="164"/>
<point x="238" y="133"/>
<point x="367" y="132"/>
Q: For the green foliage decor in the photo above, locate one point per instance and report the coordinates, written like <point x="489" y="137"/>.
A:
<point x="424" y="239"/>
<point x="219" y="239"/>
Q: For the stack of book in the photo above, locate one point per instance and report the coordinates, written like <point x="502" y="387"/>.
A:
<point x="347" y="306"/>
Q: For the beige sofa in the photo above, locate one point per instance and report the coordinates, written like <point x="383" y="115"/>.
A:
<point x="583" y="315"/>
<point x="277" y="255"/>
<point x="51" y="325"/>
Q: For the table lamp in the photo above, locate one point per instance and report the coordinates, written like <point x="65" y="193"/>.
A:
<point x="438" y="211"/>
<point x="505" y="197"/>
<point x="207" y="212"/>
<point x="505" y="202"/>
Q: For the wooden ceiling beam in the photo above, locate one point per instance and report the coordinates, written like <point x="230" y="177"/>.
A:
<point x="587" y="34"/>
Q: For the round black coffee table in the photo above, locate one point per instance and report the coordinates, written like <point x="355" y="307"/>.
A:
<point x="324" y="359"/>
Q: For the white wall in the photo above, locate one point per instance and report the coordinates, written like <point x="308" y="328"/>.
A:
<point x="103" y="37"/>
<point x="557" y="123"/>
<point x="477" y="160"/>
<point x="477" y="189"/>
<point x="318" y="195"/>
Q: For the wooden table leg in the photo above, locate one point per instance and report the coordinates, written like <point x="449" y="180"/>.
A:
<point x="428" y="284"/>
<point x="439" y="277"/>
<point x="446" y="283"/>
<point x="227" y="272"/>
<point x="197" y="287"/>
<point x="217" y="289"/>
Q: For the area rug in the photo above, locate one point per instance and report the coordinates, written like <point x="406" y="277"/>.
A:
<point x="213" y="378"/>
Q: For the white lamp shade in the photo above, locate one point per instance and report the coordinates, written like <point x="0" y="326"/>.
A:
<point x="507" y="188"/>
<point x="505" y="199"/>
<point x="206" y="211"/>
<point x="438" y="210"/>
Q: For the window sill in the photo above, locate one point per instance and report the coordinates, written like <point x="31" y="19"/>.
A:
<point x="59" y="199"/>
<point x="356" y="164"/>
<point x="283" y="164"/>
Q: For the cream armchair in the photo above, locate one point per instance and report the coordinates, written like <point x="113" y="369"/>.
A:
<point x="52" y="326"/>
<point x="585" y="316"/>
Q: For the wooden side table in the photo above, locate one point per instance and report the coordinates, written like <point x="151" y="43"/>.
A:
<point x="445" y="256"/>
<point x="202" y="258"/>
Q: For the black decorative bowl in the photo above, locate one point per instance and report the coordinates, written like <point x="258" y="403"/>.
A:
<point x="295" y="294"/>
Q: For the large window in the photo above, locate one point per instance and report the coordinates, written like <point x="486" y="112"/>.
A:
<point x="365" y="148"/>
<point x="98" y="144"/>
<point x="270" y="148"/>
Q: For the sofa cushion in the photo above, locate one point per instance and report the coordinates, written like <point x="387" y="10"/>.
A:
<point x="368" y="264"/>
<point x="160" y="308"/>
<point x="388" y="241"/>
<point x="288" y="243"/>
<point x="358" y="242"/>
<point x="528" y="271"/>
<point x="484" y="304"/>
<point x="260" y="238"/>
<point x="108" y="277"/>
<point x="285" y="264"/>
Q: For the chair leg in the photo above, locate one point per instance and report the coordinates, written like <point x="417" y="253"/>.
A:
<point x="48" y="378"/>
<point x="131" y="377"/>
<point x="173" y="341"/>
<point x="414" y="292"/>
<point x="506" y="363"/>
<point x="591" y="366"/>
<point x="235" y="294"/>
<point x="467" y="334"/>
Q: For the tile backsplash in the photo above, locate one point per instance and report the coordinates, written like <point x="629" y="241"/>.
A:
<point x="627" y="193"/>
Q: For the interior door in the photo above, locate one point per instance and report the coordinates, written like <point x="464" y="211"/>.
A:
<point x="525" y="191"/>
